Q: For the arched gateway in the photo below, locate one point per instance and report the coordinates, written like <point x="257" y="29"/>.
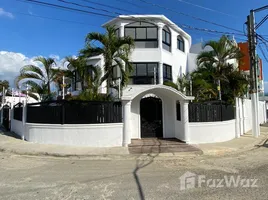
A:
<point x="162" y="108"/>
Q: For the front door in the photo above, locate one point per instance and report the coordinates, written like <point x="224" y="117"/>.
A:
<point x="151" y="117"/>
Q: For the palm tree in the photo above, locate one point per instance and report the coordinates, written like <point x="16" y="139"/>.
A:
<point x="115" y="51"/>
<point x="38" y="79"/>
<point x="58" y="79"/>
<point x="223" y="51"/>
<point x="83" y="70"/>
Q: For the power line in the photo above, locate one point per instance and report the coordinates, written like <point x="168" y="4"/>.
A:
<point x="90" y="7"/>
<point x="130" y="3"/>
<point x="262" y="51"/>
<point x="65" y="8"/>
<point x="56" y="19"/>
<point x="194" y="17"/>
<point x="104" y="5"/>
<point x="185" y="26"/>
<point x="206" y="8"/>
<point x="209" y="30"/>
<point x="134" y="18"/>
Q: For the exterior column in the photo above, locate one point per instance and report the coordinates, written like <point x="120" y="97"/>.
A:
<point x="160" y="46"/>
<point x="185" y="120"/>
<point x="24" y="120"/>
<point x="237" y="118"/>
<point x="121" y="30"/>
<point x="127" y="122"/>
<point x="160" y="74"/>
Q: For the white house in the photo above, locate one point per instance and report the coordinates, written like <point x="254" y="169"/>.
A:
<point x="150" y="108"/>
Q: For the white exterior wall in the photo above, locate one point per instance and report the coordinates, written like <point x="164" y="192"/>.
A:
<point x="93" y="135"/>
<point x="17" y="127"/>
<point x="210" y="132"/>
<point x="176" y="58"/>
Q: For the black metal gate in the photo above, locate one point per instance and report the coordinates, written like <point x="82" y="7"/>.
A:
<point x="151" y="117"/>
<point x="6" y="117"/>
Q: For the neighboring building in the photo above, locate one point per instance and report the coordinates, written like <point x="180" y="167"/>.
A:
<point x="244" y="65"/>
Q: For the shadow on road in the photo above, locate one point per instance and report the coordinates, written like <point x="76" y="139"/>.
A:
<point x="265" y="144"/>
<point x="3" y="131"/>
<point x="142" y="162"/>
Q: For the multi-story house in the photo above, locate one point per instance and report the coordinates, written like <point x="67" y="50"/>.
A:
<point x="160" y="53"/>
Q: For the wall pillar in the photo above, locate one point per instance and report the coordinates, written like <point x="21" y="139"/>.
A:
<point x="185" y="120"/>
<point x="237" y="118"/>
<point x="160" y="69"/>
<point x="121" y="30"/>
<point x="24" y="119"/>
<point x="160" y="74"/>
<point x="127" y="122"/>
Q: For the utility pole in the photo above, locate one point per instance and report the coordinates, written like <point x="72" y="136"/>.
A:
<point x="252" y="42"/>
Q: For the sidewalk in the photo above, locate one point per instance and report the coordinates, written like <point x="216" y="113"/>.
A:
<point x="17" y="146"/>
<point x="244" y="143"/>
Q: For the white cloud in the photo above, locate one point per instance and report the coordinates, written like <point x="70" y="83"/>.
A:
<point x="11" y="63"/>
<point x="6" y="14"/>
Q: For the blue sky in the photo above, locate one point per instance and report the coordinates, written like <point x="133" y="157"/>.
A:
<point x="25" y="33"/>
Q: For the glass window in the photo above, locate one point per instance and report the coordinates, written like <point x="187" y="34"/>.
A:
<point x="141" y="69"/>
<point x="180" y="43"/>
<point x="130" y="32"/>
<point x="167" y="72"/>
<point x="152" y="67"/>
<point x="140" y="33"/>
<point x="166" y="39"/>
<point x="151" y="33"/>
<point x="144" y="34"/>
<point x="145" y="73"/>
<point x="146" y="44"/>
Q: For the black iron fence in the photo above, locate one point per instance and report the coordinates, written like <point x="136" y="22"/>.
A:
<point x="18" y="111"/>
<point x="74" y="112"/>
<point x="201" y="112"/>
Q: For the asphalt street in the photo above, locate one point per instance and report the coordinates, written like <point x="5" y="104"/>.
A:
<point x="240" y="176"/>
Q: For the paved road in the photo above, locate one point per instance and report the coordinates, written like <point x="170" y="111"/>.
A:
<point x="23" y="177"/>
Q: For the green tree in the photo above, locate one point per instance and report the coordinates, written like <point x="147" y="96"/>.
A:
<point x="38" y="79"/>
<point x="115" y="51"/>
<point x="223" y="51"/>
<point x="4" y="83"/>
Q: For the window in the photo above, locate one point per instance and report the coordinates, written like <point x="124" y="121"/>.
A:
<point x="144" y="34"/>
<point x="167" y="72"/>
<point x="180" y="43"/>
<point x="144" y="73"/>
<point x="166" y="38"/>
<point x="117" y="32"/>
<point x="178" y="110"/>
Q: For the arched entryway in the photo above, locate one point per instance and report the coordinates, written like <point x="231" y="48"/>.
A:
<point x="151" y="117"/>
<point x="132" y="112"/>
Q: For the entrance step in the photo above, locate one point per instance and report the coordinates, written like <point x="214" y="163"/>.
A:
<point x="156" y="145"/>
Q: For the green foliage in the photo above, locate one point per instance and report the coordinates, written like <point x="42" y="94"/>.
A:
<point x="215" y="65"/>
<point x="91" y="96"/>
<point x="115" y="51"/>
<point x="5" y="84"/>
<point x="171" y="84"/>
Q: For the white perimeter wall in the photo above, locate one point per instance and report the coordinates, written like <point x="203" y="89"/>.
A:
<point x="244" y="115"/>
<point x="17" y="127"/>
<point x="210" y="132"/>
<point x="93" y="135"/>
